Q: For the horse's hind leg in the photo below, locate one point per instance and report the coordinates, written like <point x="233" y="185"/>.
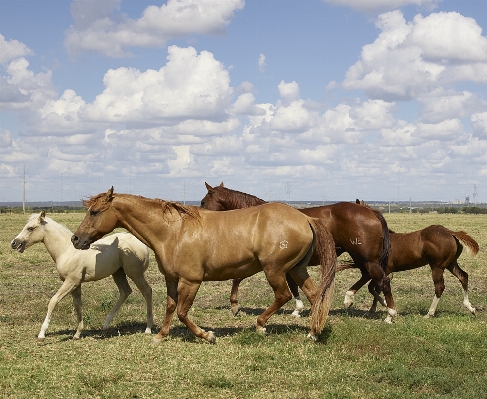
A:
<point x="281" y="296"/>
<point x="293" y="286"/>
<point x="124" y="288"/>
<point x="234" y="307"/>
<point x="462" y="276"/>
<point x="350" y="294"/>
<point x="438" y="280"/>
<point x="146" y="291"/>
<point x="383" y="283"/>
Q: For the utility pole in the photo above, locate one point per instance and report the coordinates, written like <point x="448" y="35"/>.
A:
<point x="23" y="194"/>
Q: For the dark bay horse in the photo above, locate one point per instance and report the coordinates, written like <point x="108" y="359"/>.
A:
<point x="434" y="245"/>
<point x="192" y="245"/>
<point x="360" y="231"/>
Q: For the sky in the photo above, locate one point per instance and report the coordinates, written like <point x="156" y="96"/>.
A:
<point x="298" y="100"/>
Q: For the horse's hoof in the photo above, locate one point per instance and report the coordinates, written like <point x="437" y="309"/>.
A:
<point x="40" y="341"/>
<point x="312" y="337"/>
<point x="261" y="330"/>
<point x="75" y="337"/>
<point x="295" y="314"/>
<point x="148" y="331"/>
<point x="427" y="316"/>
<point x="156" y="340"/>
<point x="235" y="310"/>
<point x="211" y="337"/>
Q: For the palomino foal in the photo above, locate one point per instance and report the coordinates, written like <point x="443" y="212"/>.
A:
<point x="119" y="255"/>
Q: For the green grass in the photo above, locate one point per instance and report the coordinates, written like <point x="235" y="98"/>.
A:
<point x="357" y="356"/>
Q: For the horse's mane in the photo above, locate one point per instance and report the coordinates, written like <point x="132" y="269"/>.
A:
<point x="237" y="199"/>
<point x="167" y="206"/>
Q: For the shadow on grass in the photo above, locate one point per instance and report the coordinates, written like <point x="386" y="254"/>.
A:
<point x="258" y="311"/>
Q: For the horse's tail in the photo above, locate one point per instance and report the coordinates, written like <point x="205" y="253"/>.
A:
<point x="325" y="248"/>
<point x="386" y="240"/>
<point x="346" y="265"/>
<point x="386" y="236"/>
<point x="468" y="242"/>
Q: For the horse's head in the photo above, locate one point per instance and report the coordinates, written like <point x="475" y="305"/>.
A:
<point x="212" y="200"/>
<point x="100" y="219"/>
<point x="32" y="233"/>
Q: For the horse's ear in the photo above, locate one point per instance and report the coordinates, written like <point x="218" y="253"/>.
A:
<point x="208" y="187"/>
<point x="108" y="195"/>
<point x="357" y="201"/>
<point x="42" y="215"/>
<point x="221" y="184"/>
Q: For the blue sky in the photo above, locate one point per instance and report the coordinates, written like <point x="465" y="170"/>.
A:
<point x="283" y="99"/>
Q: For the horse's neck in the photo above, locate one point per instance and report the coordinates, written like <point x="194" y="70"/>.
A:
<point x="139" y="220"/>
<point x="57" y="239"/>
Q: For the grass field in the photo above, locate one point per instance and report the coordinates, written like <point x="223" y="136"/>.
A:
<point x="357" y="357"/>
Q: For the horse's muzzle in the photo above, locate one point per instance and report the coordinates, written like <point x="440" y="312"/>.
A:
<point x="80" y="244"/>
<point x="19" y="246"/>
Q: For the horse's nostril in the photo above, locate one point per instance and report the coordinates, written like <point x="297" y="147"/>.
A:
<point x="74" y="239"/>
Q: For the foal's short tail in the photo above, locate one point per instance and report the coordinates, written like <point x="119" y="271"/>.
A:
<point x="325" y="248"/>
<point x="468" y="242"/>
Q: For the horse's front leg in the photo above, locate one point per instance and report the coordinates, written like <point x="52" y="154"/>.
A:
<point x="234" y="307"/>
<point x="172" y="301"/>
<point x="64" y="290"/>
<point x="186" y="293"/>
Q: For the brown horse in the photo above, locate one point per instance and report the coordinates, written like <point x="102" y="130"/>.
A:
<point x="192" y="245"/>
<point x="434" y="245"/>
<point x="357" y="230"/>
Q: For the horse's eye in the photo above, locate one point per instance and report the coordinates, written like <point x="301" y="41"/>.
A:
<point x="30" y="229"/>
<point x="94" y="213"/>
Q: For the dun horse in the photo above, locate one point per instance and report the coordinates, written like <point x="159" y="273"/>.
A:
<point x="434" y="245"/>
<point x="360" y="231"/>
<point x="192" y="245"/>
<point x="119" y="255"/>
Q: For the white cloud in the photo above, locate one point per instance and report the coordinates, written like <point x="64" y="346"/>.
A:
<point x="446" y="130"/>
<point x="289" y="91"/>
<point x="261" y="63"/>
<point x="12" y="49"/>
<point x="408" y="60"/>
<point x="22" y="89"/>
<point x="479" y="122"/>
<point x="96" y="30"/>
<point x="189" y="86"/>
<point x="245" y="105"/>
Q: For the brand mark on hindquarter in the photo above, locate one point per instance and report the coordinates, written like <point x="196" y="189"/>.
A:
<point x="283" y="244"/>
<point x="356" y="241"/>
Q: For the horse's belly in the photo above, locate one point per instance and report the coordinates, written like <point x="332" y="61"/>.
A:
<point x="230" y="271"/>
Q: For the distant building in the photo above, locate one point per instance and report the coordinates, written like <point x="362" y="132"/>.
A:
<point x="467" y="199"/>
